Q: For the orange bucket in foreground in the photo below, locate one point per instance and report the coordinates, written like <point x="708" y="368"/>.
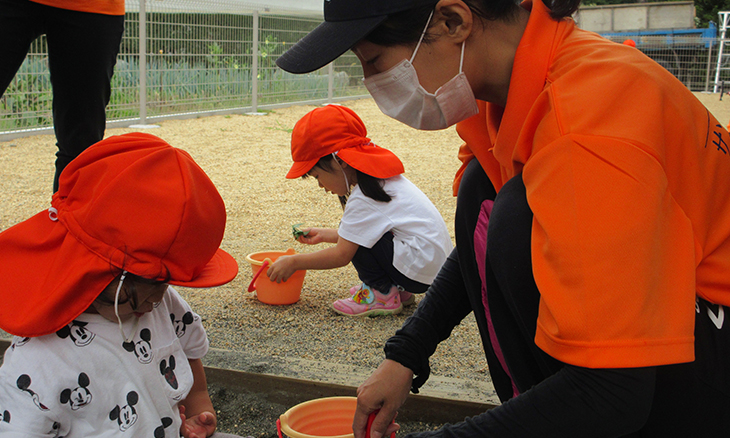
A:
<point x="329" y="417"/>
<point x="271" y="292"/>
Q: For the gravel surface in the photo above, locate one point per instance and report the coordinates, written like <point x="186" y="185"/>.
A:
<point x="247" y="157"/>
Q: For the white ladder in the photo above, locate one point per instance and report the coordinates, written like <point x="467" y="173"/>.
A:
<point x="724" y="24"/>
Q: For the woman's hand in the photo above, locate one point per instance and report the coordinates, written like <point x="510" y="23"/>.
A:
<point x="200" y="426"/>
<point x="385" y="390"/>
<point x="282" y="268"/>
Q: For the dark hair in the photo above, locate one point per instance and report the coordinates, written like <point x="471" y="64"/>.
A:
<point x="405" y="27"/>
<point x="371" y="186"/>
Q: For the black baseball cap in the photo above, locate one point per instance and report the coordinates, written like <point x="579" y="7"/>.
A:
<point x="345" y="23"/>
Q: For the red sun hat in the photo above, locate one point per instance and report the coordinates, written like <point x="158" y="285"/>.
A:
<point x="130" y="202"/>
<point x="339" y="130"/>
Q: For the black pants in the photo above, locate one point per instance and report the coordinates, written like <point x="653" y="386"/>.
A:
<point x="375" y="268"/>
<point x="82" y="51"/>
<point x="691" y="399"/>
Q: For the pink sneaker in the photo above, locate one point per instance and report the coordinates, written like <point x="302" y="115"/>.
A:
<point x="355" y="288"/>
<point x="369" y="302"/>
<point x="406" y="298"/>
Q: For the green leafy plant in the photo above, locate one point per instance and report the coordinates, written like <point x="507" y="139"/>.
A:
<point x="296" y="232"/>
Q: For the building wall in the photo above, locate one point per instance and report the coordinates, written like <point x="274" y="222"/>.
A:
<point x="637" y="16"/>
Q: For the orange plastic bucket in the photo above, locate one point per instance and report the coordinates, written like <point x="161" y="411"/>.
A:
<point x="271" y="292"/>
<point x="329" y="417"/>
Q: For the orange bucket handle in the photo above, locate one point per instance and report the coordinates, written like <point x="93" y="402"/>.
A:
<point x="251" y="287"/>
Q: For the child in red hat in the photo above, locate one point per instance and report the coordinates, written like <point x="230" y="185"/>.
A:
<point x="391" y="232"/>
<point x="102" y="344"/>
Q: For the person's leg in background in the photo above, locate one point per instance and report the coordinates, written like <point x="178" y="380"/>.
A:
<point x="20" y="24"/>
<point x="82" y="52"/>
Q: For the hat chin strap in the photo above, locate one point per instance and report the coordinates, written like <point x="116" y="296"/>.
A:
<point x="347" y="183"/>
<point x="116" y="311"/>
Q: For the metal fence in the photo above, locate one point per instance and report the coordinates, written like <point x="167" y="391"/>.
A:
<point x="186" y="58"/>
<point x="693" y="60"/>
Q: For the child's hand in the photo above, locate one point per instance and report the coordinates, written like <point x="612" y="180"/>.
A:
<point x="281" y="269"/>
<point x="313" y="236"/>
<point x="200" y="426"/>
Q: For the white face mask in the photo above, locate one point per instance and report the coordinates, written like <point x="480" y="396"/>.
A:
<point x="400" y="96"/>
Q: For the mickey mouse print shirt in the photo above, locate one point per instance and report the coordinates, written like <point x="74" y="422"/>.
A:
<point x="86" y="381"/>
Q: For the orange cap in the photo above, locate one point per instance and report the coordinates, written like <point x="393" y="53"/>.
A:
<point x="338" y="129"/>
<point x="130" y="202"/>
<point x="630" y="42"/>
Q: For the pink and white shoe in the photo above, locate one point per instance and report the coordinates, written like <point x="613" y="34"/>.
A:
<point x="406" y="298"/>
<point x="355" y="288"/>
<point x="369" y="302"/>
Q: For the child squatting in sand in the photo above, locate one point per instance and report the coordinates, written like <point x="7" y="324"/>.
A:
<point x="391" y="232"/>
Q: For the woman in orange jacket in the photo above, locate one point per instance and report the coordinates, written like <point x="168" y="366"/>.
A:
<point x="602" y="185"/>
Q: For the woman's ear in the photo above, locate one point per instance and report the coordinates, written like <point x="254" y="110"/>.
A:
<point x="455" y="17"/>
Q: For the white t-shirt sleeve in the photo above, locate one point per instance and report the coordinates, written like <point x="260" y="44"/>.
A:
<point x="188" y="326"/>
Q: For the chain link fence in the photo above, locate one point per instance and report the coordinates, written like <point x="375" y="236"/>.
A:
<point x="692" y="59"/>
<point x="186" y="58"/>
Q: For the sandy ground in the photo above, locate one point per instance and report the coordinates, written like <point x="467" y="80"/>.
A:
<point x="247" y="157"/>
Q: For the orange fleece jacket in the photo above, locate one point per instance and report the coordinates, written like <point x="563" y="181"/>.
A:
<point x="628" y="177"/>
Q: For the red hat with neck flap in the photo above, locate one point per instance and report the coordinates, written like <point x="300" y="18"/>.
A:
<point x="128" y="203"/>
<point x="339" y="130"/>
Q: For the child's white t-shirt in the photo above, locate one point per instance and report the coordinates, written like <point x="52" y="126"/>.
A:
<point x="421" y="241"/>
<point x="85" y="381"/>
